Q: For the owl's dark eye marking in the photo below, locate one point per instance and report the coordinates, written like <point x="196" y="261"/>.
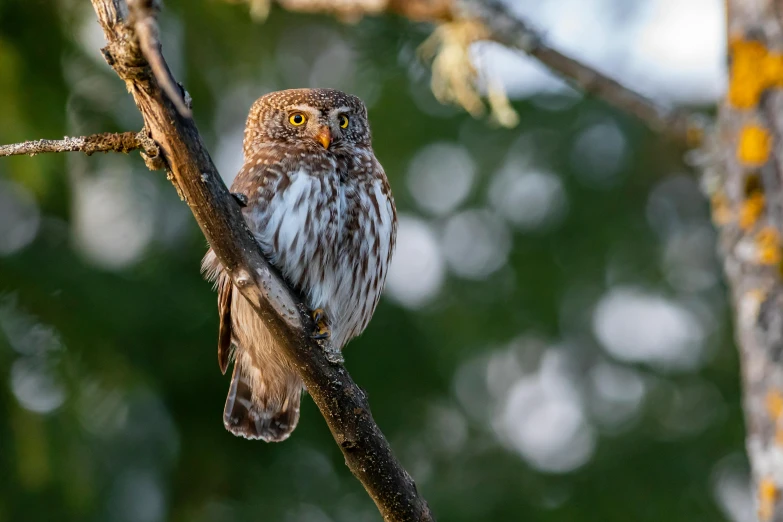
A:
<point x="297" y="119"/>
<point x="343" y="120"/>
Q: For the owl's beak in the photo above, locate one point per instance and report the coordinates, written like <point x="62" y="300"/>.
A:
<point x="324" y="137"/>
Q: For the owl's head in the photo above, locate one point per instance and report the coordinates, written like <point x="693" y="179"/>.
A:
<point x="317" y="118"/>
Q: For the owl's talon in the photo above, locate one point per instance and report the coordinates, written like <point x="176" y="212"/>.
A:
<point x="321" y="332"/>
<point x="321" y="327"/>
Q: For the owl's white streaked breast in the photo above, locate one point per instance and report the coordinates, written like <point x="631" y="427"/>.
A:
<point x="365" y="252"/>
<point x="329" y="227"/>
<point x="298" y="229"/>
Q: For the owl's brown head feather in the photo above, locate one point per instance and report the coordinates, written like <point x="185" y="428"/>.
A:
<point x="313" y="118"/>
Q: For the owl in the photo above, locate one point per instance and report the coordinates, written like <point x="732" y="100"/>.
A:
<point x="320" y="207"/>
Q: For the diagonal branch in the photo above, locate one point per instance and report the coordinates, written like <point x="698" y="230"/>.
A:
<point x="497" y="23"/>
<point x="342" y="403"/>
<point x="505" y="28"/>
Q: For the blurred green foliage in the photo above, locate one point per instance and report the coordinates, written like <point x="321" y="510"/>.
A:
<point x="109" y="387"/>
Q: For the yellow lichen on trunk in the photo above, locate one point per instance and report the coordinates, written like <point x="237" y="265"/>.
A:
<point x="751" y="211"/>
<point x="767" y="496"/>
<point x="754" y="69"/>
<point x="768" y="244"/>
<point x="721" y="208"/>
<point x="754" y="146"/>
<point x="775" y="411"/>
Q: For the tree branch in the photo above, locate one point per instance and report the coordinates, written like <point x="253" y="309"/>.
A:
<point x="342" y="403"/>
<point x="502" y="26"/>
<point x="105" y="142"/>
<point x="143" y="15"/>
<point x="505" y="28"/>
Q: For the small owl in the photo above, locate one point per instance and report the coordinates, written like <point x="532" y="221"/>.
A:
<point x="320" y="206"/>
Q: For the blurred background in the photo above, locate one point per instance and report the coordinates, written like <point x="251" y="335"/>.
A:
<point x="554" y="342"/>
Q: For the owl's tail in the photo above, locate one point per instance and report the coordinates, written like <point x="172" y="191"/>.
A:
<point x="252" y="419"/>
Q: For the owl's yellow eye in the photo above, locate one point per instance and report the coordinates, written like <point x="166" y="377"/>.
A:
<point x="343" y="119"/>
<point x="297" y="119"/>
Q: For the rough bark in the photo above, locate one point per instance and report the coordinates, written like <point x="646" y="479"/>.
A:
<point x="105" y="142"/>
<point x="743" y="178"/>
<point x="191" y="170"/>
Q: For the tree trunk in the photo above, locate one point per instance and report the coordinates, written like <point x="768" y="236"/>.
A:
<point x="745" y="186"/>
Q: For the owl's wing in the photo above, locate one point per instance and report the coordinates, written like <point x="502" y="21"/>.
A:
<point x="213" y="271"/>
<point x="225" y="289"/>
<point x="261" y="173"/>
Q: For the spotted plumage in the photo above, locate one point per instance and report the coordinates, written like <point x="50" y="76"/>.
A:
<point x="320" y="206"/>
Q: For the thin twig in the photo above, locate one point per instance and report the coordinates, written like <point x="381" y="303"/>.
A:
<point x="124" y="142"/>
<point x="505" y="28"/>
<point x="342" y="403"/>
<point x="143" y="15"/>
<point x="502" y="26"/>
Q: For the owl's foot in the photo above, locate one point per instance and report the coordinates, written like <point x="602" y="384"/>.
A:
<point x="321" y="327"/>
<point x="322" y="332"/>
